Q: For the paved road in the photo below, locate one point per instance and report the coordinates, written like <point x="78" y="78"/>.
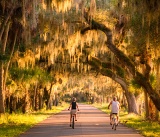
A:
<point x="91" y="123"/>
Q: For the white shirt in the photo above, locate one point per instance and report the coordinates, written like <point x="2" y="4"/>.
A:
<point x="115" y="107"/>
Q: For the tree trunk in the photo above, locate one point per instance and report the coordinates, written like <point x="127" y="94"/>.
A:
<point x="153" y="113"/>
<point x="131" y="101"/>
<point x="11" y="105"/>
<point x="56" y="100"/>
<point x="26" y="105"/>
<point x="40" y="101"/>
<point x="11" y="54"/>
<point x="132" y="106"/>
<point x="3" y="26"/>
<point x="35" y="98"/>
<point x="2" y="108"/>
<point x="124" y="102"/>
<point x="146" y="105"/>
<point x="4" y="31"/>
<point x="49" y="97"/>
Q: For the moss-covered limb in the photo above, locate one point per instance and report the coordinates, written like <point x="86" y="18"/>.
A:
<point x="99" y="65"/>
<point x="83" y="31"/>
<point x="132" y="108"/>
<point x="118" y="53"/>
<point x="144" y="82"/>
<point x="155" y="97"/>
<point x="95" y="62"/>
<point x="107" y="71"/>
<point x="147" y="71"/>
<point x="119" y="71"/>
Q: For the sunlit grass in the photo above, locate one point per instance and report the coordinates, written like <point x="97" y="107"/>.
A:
<point x="12" y="125"/>
<point x="146" y="128"/>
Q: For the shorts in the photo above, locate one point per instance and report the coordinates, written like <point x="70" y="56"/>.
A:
<point x="73" y="111"/>
<point x="115" y="113"/>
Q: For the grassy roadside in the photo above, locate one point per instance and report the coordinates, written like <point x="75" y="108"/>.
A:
<point x="12" y="125"/>
<point x="146" y="128"/>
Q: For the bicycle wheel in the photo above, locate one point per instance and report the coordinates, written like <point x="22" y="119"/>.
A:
<point x="112" y="122"/>
<point x="112" y="126"/>
<point x="73" y="122"/>
<point x="115" y="127"/>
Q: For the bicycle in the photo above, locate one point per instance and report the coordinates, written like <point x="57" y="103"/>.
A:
<point x="73" y="121"/>
<point x="114" y="121"/>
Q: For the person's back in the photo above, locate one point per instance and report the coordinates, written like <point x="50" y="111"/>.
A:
<point x="115" y="106"/>
<point x="74" y="107"/>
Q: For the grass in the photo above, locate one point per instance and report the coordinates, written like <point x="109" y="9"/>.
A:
<point x="146" y="128"/>
<point x="12" y="125"/>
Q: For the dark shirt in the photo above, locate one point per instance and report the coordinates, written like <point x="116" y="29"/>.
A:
<point x="73" y="105"/>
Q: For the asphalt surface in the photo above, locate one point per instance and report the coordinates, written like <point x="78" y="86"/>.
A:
<point x="91" y="122"/>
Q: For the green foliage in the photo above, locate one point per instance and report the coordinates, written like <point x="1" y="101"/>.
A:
<point x="134" y="87"/>
<point x="14" y="124"/>
<point x="120" y="72"/>
<point x="22" y="48"/>
<point x="4" y="58"/>
<point x="27" y="75"/>
<point x="152" y="79"/>
<point x="135" y="84"/>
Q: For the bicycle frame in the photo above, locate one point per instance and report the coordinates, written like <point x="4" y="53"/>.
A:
<point x="73" y="114"/>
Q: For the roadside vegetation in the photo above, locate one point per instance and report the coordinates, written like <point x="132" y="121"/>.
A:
<point x="12" y="125"/>
<point x="145" y="127"/>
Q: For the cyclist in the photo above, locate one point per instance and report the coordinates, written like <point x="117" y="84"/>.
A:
<point x="115" y="106"/>
<point x="74" y="108"/>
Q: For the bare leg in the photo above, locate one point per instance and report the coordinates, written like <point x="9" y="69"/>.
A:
<point x="110" y="118"/>
<point x="117" y="118"/>
<point x="70" y="118"/>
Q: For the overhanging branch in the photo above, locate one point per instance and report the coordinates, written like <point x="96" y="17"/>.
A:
<point x="139" y="77"/>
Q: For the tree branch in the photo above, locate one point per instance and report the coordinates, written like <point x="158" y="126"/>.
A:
<point x="140" y="78"/>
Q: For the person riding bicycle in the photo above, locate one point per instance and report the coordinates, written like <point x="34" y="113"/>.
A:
<point x="74" y="108"/>
<point x="115" y="106"/>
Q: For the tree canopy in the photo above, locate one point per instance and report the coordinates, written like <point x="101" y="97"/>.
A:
<point x="49" y="47"/>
